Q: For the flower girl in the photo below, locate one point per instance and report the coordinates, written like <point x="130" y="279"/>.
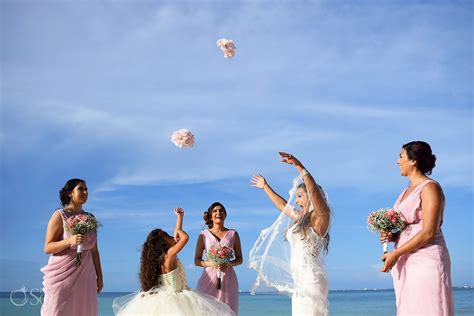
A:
<point x="163" y="281"/>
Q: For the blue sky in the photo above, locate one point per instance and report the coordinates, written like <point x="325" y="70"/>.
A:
<point x="94" y="89"/>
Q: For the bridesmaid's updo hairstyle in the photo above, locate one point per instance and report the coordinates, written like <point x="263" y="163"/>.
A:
<point x="67" y="189"/>
<point x="421" y="152"/>
<point x="153" y="253"/>
<point x="207" y="217"/>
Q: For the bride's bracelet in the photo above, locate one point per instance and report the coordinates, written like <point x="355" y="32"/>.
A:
<point x="303" y="173"/>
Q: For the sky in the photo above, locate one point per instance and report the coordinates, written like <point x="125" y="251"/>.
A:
<point x="94" y="89"/>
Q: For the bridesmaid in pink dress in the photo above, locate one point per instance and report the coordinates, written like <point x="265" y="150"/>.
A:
<point x="421" y="264"/>
<point x="70" y="290"/>
<point x="218" y="234"/>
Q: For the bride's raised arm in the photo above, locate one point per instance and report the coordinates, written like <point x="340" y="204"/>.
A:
<point x="259" y="181"/>
<point x="315" y="194"/>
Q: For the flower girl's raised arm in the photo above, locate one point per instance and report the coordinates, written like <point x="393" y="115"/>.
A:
<point x="181" y="237"/>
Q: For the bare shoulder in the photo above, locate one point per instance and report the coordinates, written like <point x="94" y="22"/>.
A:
<point x="55" y="226"/>
<point x="432" y="190"/>
<point x="56" y="218"/>
<point x="432" y="187"/>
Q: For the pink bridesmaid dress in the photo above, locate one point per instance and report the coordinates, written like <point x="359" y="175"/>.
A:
<point x="207" y="283"/>
<point x="70" y="290"/>
<point x="422" y="278"/>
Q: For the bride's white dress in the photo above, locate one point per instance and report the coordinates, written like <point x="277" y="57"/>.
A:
<point x="309" y="275"/>
<point x="171" y="297"/>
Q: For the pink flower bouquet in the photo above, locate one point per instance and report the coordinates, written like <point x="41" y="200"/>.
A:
<point x="227" y="46"/>
<point x="386" y="220"/>
<point x="182" y="138"/>
<point x="81" y="224"/>
<point x="220" y="255"/>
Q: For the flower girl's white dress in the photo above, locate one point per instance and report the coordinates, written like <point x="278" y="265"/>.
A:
<point x="171" y="297"/>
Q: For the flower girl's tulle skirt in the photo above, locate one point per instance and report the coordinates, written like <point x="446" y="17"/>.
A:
<point x="165" y="301"/>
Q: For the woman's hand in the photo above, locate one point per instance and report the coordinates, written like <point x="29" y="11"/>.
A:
<point x="389" y="259"/>
<point x="222" y="266"/>
<point x="258" y="181"/>
<point x="75" y="240"/>
<point x="289" y="159"/>
<point x="225" y="265"/>
<point x="209" y="264"/>
<point x="386" y="237"/>
<point x="178" y="211"/>
<point x="100" y="284"/>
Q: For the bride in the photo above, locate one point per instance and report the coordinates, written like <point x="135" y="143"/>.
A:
<point x="288" y="255"/>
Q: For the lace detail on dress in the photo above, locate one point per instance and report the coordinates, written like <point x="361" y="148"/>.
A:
<point x="309" y="275"/>
<point x="312" y="247"/>
<point x="309" y="249"/>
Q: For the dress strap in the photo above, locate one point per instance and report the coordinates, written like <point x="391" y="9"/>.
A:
<point x="327" y="231"/>
<point x="63" y="214"/>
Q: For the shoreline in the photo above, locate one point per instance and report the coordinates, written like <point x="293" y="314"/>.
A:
<point x="108" y="293"/>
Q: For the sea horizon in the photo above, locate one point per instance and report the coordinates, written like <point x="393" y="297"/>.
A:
<point x="459" y="287"/>
<point x="342" y="302"/>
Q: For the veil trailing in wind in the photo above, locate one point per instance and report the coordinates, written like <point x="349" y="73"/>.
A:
<point x="270" y="256"/>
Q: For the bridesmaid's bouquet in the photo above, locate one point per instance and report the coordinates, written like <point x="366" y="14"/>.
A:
<point x="81" y="224"/>
<point x="386" y="220"/>
<point x="220" y="255"/>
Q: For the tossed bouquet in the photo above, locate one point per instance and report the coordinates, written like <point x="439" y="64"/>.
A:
<point x="386" y="220"/>
<point x="220" y="255"/>
<point x="183" y="138"/>
<point x="227" y="46"/>
<point x="81" y="224"/>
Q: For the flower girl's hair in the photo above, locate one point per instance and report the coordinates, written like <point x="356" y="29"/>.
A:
<point x="153" y="253"/>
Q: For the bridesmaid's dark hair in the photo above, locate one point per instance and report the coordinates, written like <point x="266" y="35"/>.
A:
<point x="305" y="222"/>
<point x="207" y="217"/>
<point x="67" y="189"/>
<point x="153" y="253"/>
<point x="421" y="152"/>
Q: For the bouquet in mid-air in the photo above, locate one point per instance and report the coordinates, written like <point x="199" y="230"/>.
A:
<point x="81" y="224"/>
<point x="386" y="220"/>
<point x="227" y="46"/>
<point x="183" y="138"/>
<point x="220" y="255"/>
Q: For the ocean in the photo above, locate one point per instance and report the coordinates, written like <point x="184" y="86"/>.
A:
<point x="342" y="303"/>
